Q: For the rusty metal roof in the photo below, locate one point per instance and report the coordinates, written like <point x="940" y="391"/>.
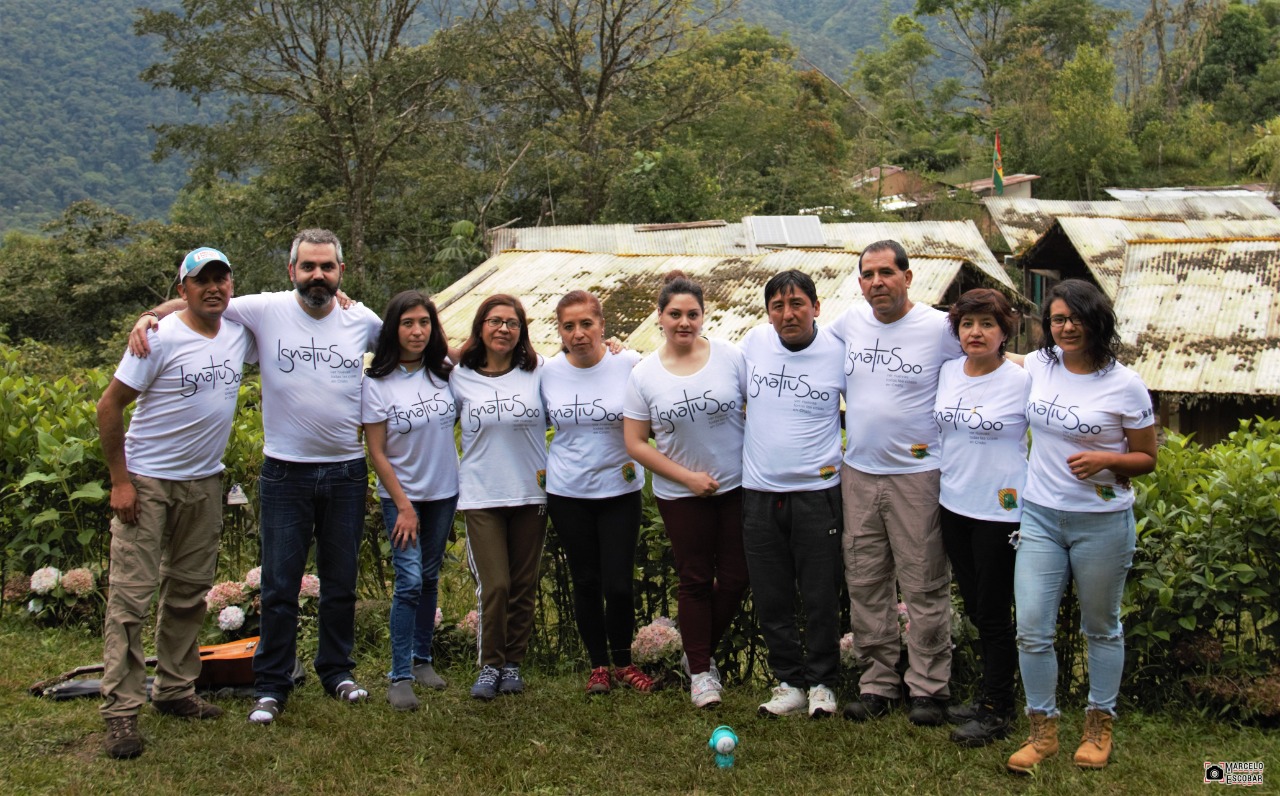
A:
<point x="1203" y="316"/>
<point x="627" y="286"/>
<point x="1024" y="221"/>
<point x="1101" y="242"/>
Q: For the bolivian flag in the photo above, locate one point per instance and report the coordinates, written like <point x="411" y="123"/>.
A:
<point x="997" y="169"/>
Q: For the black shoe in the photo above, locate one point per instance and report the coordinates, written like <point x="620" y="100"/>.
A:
<point x="868" y="706"/>
<point x="962" y="714"/>
<point x="991" y="724"/>
<point x="926" y="712"/>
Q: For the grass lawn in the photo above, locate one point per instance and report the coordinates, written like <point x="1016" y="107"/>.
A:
<point x="550" y="740"/>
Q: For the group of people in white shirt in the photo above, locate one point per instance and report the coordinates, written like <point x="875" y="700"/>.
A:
<point x="751" y="480"/>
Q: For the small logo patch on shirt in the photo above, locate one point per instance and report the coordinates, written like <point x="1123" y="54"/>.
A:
<point x="542" y="478"/>
<point x="629" y="472"/>
<point x="920" y="450"/>
<point x="1105" y="492"/>
<point x="827" y="473"/>
<point x="1008" y="498"/>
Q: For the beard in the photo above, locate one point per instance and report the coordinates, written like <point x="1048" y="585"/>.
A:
<point x="316" y="293"/>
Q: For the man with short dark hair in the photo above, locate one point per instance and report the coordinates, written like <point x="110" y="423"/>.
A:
<point x="314" y="476"/>
<point x="894" y="350"/>
<point x="791" y="493"/>
<point x="166" y="493"/>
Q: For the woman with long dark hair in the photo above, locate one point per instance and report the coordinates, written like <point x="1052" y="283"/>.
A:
<point x="981" y="412"/>
<point x="1093" y="429"/>
<point x="502" y="481"/>
<point x="690" y="395"/>
<point x="593" y="488"/>
<point x="408" y="413"/>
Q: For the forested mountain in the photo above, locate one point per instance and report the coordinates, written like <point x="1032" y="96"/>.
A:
<point x="74" y="115"/>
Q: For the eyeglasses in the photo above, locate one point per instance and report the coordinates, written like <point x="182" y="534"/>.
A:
<point x="1059" y="321"/>
<point x="512" y="324"/>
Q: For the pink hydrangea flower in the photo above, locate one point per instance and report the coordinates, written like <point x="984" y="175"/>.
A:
<point x="656" y="642"/>
<point x="439" y="617"/>
<point x="231" y="618"/>
<point x="904" y="618"/>
<point x="79" y="581"/>
<point x="253" y="578"/>
<point x="224" y="594"/>
<point x="44" y="580"/>
<point x="847" y="656"/>
<point x="310" y="586"/>
<point x="470" y="623"/>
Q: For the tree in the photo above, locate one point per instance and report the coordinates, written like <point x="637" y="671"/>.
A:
<point x="336" y="88"/>
<point x="593" y="81"/>
<point x="1090" y="132"/>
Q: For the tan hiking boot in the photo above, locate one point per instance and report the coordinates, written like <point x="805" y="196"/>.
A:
<point x="123" y="739"/>
<point x="1095" y="746"/>
<point x="1040" y="745"/>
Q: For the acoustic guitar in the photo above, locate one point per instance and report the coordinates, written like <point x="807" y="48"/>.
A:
<point x="228" y="665"/>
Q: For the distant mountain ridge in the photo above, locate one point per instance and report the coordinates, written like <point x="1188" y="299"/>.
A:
<point x="74" y="116"/>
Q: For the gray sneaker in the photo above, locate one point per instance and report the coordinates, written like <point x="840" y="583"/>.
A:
<point x="486" y="685"/>
<point x="510" y="682"/>
<point x="401" y="697"/>
<point x="427" y="677"/>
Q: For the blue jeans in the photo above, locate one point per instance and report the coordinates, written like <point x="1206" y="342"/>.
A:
<point x="1096" y="550"/>
<point x="413" y="605"/>
<point x="302" y="502"/>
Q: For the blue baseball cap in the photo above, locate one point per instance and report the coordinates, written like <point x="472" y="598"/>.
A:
<point x="199" y="258"/>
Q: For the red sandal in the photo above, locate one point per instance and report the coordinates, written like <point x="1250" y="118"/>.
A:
<point x="598" y="682"/>
<point x="634" y="677"/>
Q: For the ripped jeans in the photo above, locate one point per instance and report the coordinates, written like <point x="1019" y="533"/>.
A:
<point x="1096" y="550"/>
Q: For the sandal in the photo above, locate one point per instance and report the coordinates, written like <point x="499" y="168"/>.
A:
<point x="350" y="691"/>
<point x="634" y="677"/>
<point x="269" y="707"/>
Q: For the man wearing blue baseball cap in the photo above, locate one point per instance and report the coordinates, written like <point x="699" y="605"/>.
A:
<point x="166" y="494"/>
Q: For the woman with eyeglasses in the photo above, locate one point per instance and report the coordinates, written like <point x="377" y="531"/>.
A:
<point x="501" y="484"/>
<point x="981" y="412"/>
<point x="690" y="395"/>
<point x="408" y="413"/>
<point x="593" y="488"/>
<point x="1093" y="429"/>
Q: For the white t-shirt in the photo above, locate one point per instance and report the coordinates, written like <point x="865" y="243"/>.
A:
<point x="697" y="420"/>
<point x="588" y="455"/>
<point x="792" y="437"/>
<point x="983" y="446"/>
<point x="188" y="388"/>
<point x="891" y="372"/>
<point x="504" y="438"/>
<point x="310" y="375"/>
<point x="1070" y="413"/>
<point x="419" y="411"/>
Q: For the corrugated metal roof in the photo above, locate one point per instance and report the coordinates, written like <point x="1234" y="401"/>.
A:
<point x="627" y="286"/>
<point x="921" y="239"/>
<point x="1203" y="316"/>
<point x="1024" y="221"/>
<point x="1101" y="242"/>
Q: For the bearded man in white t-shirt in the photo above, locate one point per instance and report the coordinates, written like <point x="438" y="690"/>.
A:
<point x="314" y="477"/>
<point x="166" y="488"/>
<point x="894" y="350"/>
<point x="791" y="517"/>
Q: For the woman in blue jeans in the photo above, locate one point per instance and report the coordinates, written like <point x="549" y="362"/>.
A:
<point x="1092" y="429"/>
<point x="408" y="411"/>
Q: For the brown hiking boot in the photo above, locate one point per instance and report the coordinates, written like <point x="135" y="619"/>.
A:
<point x="1041" y="744"/>
<point x="1095" y="746"/>
<point x="188" y="707"/>
<point x="123" y="739"/>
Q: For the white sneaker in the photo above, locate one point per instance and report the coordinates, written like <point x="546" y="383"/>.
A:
<point x="704" y="690"/>
<point x="684" y="664"/>
<point x="786" y="700"/>
<point x="822" y="702"/>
